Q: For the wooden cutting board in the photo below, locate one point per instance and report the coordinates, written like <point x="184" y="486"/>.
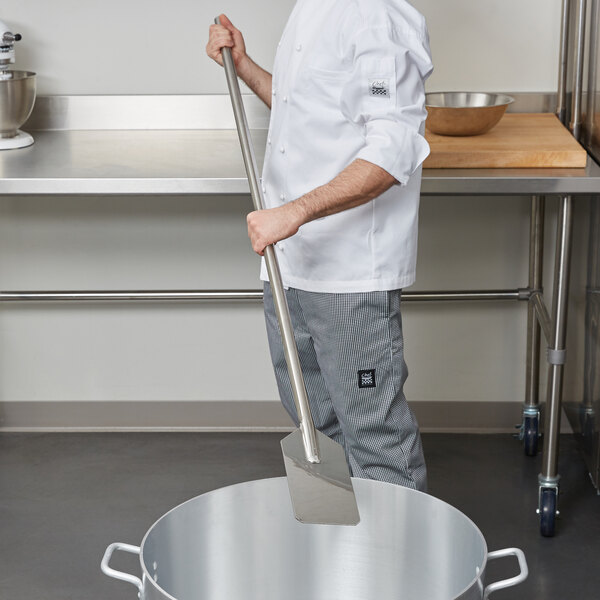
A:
<point x="520" y="140"/>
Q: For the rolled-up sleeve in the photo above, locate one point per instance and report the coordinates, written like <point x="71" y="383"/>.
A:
<point x="385" y="97"/>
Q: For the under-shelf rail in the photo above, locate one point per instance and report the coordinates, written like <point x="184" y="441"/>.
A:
<point x="238" y="295"/>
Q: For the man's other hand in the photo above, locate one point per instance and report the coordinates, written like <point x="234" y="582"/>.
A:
<point x="269" y="226"/>
<point x="226" y="35"/>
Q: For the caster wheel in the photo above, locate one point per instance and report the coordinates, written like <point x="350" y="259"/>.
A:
<point x="548" y="512"/>
<point x="531" y="434"/>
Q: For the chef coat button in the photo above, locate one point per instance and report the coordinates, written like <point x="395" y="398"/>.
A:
<point x="274" y="92"/>
<point x="269" y="141"/>
<point x="282" y="150"/>
<point x="264" y="189"/>
<point x="282" y="197"/>
<point x="285" y="98"/>
<point x="298" y="47"/>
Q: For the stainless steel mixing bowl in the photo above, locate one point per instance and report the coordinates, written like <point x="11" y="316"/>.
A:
<point x="464" y="113"/>
<point x="17" y="96"/>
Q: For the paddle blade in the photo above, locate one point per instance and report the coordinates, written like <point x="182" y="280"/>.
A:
<point x="322" y="492"/>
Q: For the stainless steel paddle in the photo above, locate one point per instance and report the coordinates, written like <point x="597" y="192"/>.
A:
<point x="317" y="472"/>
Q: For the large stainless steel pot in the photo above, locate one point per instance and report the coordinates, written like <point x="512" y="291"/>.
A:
<point x="243" y="543"/>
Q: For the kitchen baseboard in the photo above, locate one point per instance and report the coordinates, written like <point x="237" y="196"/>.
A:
<point x="435" y="416"/>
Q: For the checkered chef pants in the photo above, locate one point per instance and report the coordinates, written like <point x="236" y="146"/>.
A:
<point x="351" y="352"/>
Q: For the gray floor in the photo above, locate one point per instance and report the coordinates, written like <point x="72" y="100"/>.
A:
<point x="65" y="497"/>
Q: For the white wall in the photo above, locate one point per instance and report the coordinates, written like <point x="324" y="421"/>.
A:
<point x="218" y="352"/>
<point x="129" y="352"/>
<point x="157" y="47"/>
<point x="190" y="352"/>
<point x="492" y="45"/>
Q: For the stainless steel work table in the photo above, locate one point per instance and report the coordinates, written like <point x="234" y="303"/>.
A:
<point x="206" y="162"/>
<point x="188" y="146"/>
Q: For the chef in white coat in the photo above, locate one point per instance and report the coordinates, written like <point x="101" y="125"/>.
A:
<point x="341" y="184"/>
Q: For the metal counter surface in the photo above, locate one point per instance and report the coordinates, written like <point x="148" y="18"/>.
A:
<point x="202" y="162"/>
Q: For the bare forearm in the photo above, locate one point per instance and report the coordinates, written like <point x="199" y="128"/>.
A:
<point x="257" y="79"/>
<point x="358" y="184"/>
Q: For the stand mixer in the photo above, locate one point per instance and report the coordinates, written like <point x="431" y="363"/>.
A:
<point x="17" y="94"/>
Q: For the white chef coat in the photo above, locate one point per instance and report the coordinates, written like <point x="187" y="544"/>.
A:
<point x="348" y="83"/>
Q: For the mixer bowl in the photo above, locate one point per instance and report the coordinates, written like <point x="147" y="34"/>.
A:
<point x="464" y="113"/>
<point x="17" y="96"/>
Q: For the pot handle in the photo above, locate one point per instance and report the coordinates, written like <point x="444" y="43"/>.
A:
<point x="118" y="574"/>
<point x="520" y="578"/>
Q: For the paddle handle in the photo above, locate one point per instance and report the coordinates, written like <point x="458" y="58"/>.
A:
<point x="307" y="427"/>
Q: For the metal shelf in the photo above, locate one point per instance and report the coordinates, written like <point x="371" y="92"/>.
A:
<point x="209" y="162"/>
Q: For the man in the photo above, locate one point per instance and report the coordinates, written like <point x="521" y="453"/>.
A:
<point x="341" y="184"/>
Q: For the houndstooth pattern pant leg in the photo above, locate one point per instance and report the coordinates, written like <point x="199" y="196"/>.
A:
<point x="352" y="355"/>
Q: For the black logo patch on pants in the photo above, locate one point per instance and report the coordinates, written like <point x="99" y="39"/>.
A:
<point x="366" y="379"/>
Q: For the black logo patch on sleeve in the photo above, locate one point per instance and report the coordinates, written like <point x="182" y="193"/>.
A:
<point x="379" y="88"/>
<point x="366" y="379"/>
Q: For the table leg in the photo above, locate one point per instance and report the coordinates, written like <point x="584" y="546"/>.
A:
<point x="591" y="370"/>
<point x="530" y="427"/>
<point x="549" y="478"/>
